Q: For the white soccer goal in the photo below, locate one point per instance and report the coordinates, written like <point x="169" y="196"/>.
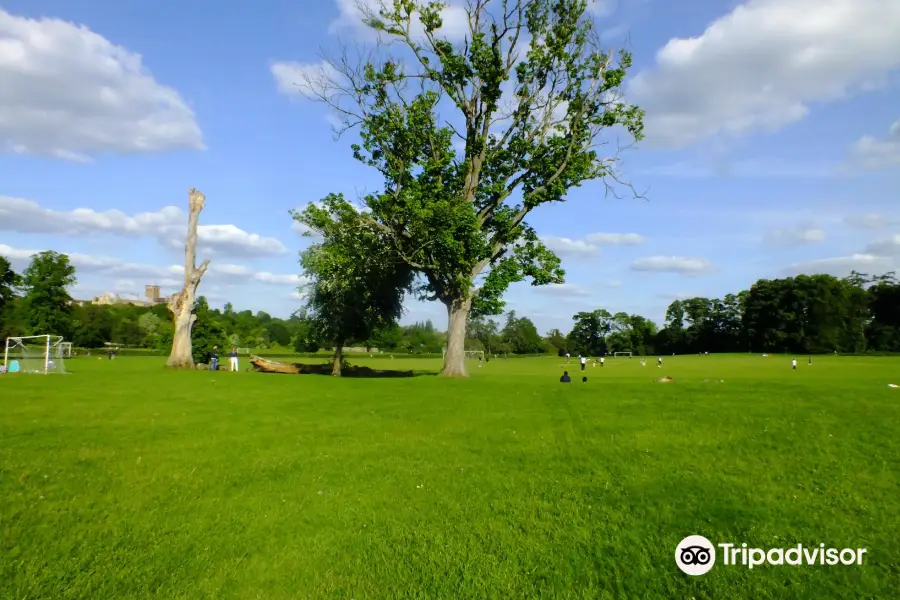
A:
<point x="243" y="351"/>
<point x="470" y="354"/>
<point x="65" y="350"/>
<point x="618" y="354"/>
<point x="35" y="354"/>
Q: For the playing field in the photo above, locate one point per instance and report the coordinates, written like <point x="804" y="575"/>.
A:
<point x="124" y="480"/>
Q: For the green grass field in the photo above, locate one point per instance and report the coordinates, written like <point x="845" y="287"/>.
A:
<point x="123" y="480"/>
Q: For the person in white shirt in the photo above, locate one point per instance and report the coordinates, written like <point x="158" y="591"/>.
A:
<point x="643" y="362"/>
<point x="567" y="356"/>
<point x="794" y="364"/>
<point x="583" y="362"/>
<point x="659" y="361"/>
<point x="602" y="359"/>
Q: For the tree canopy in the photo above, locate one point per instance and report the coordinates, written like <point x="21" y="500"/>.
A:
<point x="47" y="305"/>
<point x="356" y="284"/>
<point x="530" y="94"/>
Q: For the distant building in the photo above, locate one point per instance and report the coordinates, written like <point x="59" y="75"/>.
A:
<point x="151" y="293"/>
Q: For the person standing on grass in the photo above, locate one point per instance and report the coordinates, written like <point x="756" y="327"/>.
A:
<point x="659" y="361"/>
<point x="602" y="360"/>
<point x="810" y="360"/>
<point x="793" y="364"/>
<point x="583" y="362"/>
<point x="567" y="356"/>
<point x="234" y="358"/>
<point x="214" y="359"/>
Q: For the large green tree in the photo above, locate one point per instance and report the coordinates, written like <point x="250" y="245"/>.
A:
<point x="9" y="284"/>
<point x="588" y="335"/>
<point x="528" y="97"/>
<point x="356" y="284"/>
<point x="47" y="305"/>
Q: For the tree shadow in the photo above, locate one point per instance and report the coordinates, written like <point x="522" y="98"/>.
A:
<point x="349" y="371"/>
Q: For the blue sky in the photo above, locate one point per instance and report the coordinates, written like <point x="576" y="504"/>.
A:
<point x="773" y="147"/>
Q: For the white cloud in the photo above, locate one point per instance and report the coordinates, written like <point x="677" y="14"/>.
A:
<point x="869" y="221"/>
<point x="672" y="264"/>
<point x="562" y="289"/>
<point x="350" y="15"/>
<point x="742" y="169"/>
<point x="886" y="247"/>
<point x="874" y="154"/>
<point x="303" y="79"/>
<point x="564" y="247"/>
<point x="615" y="239"/>
<point x="589" y="247"/>
<point x="842" y="265"/>
<point x="168" y="225"/>
<point x="761" y="67"/>
<point x="796" y="236"/>
<point x="69" y="93"/>
<point x="170" y="276"/>
<point x="611" y="283"/>
<point x="676" y="296"/>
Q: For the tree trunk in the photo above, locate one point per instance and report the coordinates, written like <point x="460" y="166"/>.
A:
<point x="181" y="304"/>
<point x="455" y="358"/>
<point x="338" y="359"/>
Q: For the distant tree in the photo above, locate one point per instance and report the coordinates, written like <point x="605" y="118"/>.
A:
<point x="150" y="326"/>
<point x="558" y="341"/>
<point x="521" y="335"/>
<point x="356" y="284"/>
<point x="589" y="334"/>
<point x="10" y="281"/>
<point x="47" y="305"/>
<point x="458" y="219"/>
<point x="206" y="332"/>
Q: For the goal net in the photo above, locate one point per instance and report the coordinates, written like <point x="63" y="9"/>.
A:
<point x="35" y="354"/>
<point x="618" y="354"/>
<point x="470" y="354"/>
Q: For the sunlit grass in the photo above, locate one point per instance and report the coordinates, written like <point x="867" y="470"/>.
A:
<point x="124" y="480"/>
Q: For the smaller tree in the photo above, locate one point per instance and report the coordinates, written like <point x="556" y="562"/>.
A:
<point x="9" y="284"/>
<point x="206" y="332"/>
<point x="356" y="284"/>
<point x="47" y="304"/>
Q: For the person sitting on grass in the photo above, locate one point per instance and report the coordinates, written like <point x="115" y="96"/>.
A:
<point x="584" y="380"/>
<point x="565" y="378"/>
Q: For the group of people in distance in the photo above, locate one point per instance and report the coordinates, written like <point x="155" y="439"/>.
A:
<point x="601" y="361"/>
<point x="214" y="359"/>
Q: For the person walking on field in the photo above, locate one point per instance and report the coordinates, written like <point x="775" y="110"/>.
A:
<point x="234" y="358"/>
<point x="583" y="362"/>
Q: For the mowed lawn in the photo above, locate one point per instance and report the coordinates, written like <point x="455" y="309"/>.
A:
<point x="124" y="480"/>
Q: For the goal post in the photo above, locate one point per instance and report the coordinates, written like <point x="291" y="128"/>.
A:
<point x="470" y="354"/>
<point x="618" y="354"/>
<point x="35" y="354"/>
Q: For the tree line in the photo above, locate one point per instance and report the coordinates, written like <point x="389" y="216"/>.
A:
<point x="803" y="315"/>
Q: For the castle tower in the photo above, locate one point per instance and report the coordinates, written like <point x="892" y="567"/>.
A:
<point x="152" y="292"/>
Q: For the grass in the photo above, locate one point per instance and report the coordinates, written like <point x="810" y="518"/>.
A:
<point x="123" y="480"/>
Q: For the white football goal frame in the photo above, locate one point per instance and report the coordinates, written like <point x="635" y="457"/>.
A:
<point x="43" y="353"/>
<point x="470" y="354"/>
<point x="618" y="354"/>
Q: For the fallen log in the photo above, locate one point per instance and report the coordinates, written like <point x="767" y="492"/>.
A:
<point x="272" y="366"/>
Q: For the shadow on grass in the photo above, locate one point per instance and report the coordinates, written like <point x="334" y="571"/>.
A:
<point x="352" y="371"/>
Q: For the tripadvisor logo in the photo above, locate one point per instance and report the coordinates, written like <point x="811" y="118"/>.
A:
<point x="696" y="555"/>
